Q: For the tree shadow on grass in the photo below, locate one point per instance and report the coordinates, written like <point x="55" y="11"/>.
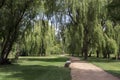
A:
<point x="59" y="59"/>
<point x="34" y="72"/>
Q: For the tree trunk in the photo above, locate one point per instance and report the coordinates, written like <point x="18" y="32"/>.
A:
<point x="85" y="52"/>
<point x="5" y="52"/>
<point x="90" y="54"/>
<point x="105" y="55"/>
<point x="82" y="54"/>
<point x="118" y="56"/>
<point x="85" y="49"/>
<point x="108" y="55"/>
<point x="43" y="50"/>
<point x="86" y="55"/>
<point x="7" y="47"/>
<point x="97" y="52"/>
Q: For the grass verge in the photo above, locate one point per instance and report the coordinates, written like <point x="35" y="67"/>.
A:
<point x="110" y="66"/>
<point x="36" y="68"/>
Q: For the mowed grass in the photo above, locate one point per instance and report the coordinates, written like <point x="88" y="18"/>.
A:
<point x="109" y="65"/>
<point x="36" y="68"/>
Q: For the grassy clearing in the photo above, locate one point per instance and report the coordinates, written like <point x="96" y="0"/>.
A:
<point x="36" y="68"/>
<point x="111" y="66"/>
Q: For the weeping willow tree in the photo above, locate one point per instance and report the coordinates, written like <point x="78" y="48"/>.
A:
<point x="84" y="27"/>
<point x="113" y="9"/>
<point x="17" y="21"/>
<point x="39" y="41"/>
<point x="85" y="30"/>
<point x="117" y="39"/>
<point x="14" y="16"/>
<point x="89" y="30"/>
<point x="74" y="30"/>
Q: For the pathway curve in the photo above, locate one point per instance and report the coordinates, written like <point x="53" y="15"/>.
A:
<point x="81" y="70"/>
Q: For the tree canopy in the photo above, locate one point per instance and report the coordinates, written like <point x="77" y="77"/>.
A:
<point x="43" y="27"/>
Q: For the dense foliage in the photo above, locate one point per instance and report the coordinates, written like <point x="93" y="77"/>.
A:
<point x="43" y="27"/>
<point x="91" y="30"/>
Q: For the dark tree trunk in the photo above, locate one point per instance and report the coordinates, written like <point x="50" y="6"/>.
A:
<point x="108" y="55"/>
<point x="43" y="50"/>
<point x="105" y="55"/>
<point x="105" y="52"/>
<point x="5" y="51"/>
<point x="89" y="55"/>
<point x="85" y="51"/>
<point x="97" y="52"/>
<point x="118" y="55"/>
<point x="82" y="54"/>
<point x="97" y="55"/>
<point x="7" y="48"/>
<point x="7" y="45"/>
<point x="86" y="55"/>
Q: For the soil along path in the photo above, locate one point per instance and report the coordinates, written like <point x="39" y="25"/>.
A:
<point x="81" y="70"/>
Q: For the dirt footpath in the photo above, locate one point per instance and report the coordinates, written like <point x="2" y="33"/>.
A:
<point x="81" y="70"/>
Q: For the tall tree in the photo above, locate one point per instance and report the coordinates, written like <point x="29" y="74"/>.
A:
<point x="12" y="20"/>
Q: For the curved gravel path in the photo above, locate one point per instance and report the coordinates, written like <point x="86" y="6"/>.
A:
<point x="81" y="70"/>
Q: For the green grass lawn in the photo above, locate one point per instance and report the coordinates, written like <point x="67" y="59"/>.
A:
<point x="36" y="68"/>
<point x="111" y="66"/>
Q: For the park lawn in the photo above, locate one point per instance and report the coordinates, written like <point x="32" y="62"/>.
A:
<point x="36" y="68"/>
<point x="109" y="65"/>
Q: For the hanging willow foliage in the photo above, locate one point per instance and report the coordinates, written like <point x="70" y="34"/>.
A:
<point x="81" y="27"/>
<point x="89" y="27"/>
